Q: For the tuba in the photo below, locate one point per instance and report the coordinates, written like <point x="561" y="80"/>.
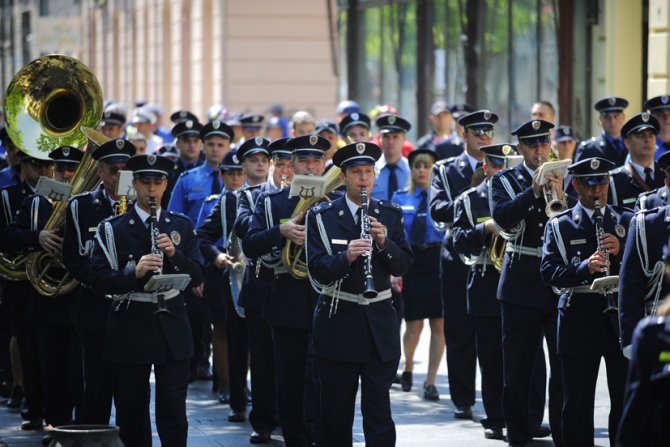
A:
<point x="45" y="105"/>
<point x="292" y="256"/>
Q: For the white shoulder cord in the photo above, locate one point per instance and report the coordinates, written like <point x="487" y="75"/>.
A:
<point x="6" y="206"/>
<point x="252" y="204"/>
<point x="109" y="249"/>
<point x="468" y="210"/>
<point x="268" y="260"/>
<point x="84" y="249"/>
<point x="564" y="256"/>
<point x="34" y="212"/>
<point x="439" y="226"/>
<point x="615" y="199"/>
<point x="643" y="202"/>
<point x="320" y="288"/>
<point x="656" y="274"/>
<point x="224" y="224"/>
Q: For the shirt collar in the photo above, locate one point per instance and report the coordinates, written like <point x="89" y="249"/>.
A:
<point x="640" y="169"/>
<point x="473" y="161"/>
<point x="353" y="208"/>
<point x="530" y="171"/>
<point x="143" y="215"/>
<point x="589" y="212"/>
<point x="402" y="164"/>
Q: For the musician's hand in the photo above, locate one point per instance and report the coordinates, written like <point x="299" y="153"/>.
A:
<point x="198" y="291"/>
<point x="537" y="188"/>
<point x="610" y="243"/>
<point x="396" y="283"/>
<point x="378" y="232"/>
<point x="597" y="263"/>
<point x="356" y="248"/>
<point x="293" y="230"/>
<point x="490" y="227"/>
<point x="223" y="261"/>
<point x="164" y="244"/>
<point x="50" y="241"/>
<point x="148" y="263"/>
<point x="555" y="181"/>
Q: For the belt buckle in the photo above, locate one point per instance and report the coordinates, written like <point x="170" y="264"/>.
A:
<point x="362" y="301"/>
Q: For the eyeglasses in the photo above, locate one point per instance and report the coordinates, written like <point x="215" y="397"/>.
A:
<point x="481" y="132"/>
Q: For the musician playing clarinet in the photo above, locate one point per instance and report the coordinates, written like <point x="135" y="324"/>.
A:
<point x="580" y="245"/>
<point x="147" y="329"/>
<point x="354" y="245"/>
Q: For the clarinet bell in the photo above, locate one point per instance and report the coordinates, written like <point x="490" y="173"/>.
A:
<point x="162" y="309"/>
<point x="370" y="291"/>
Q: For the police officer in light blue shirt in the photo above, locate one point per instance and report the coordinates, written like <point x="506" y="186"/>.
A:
<point x="11" y="174"/>
<point x="392" y="168"/>
<point x="193" y="187"/>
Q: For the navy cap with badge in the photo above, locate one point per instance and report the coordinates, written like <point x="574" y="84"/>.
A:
<point x="230" y="162"/>
<point x="66" y="157"/>
<point x="390" y="123"/>
<point x="534" y="132"/>
<point x="168" y="150"/>
<point x="308" y="146"/>
<point x="257" y="145"/>
<point x="278" y="148"/>
<point x="440" y="106"/>
<point x="150" y="166"/>
<point x="326" y="125"/>
<point x="640" y="122"/>
<point x="481" y="119"/>
<point x="657" y="103"/>
<point x="216" y="128"/>
<point x="354" y="119"/>
<point x="251" y="121"/>
<point x="564" y="133"/>
<point x="592" y="171"/>
<point x="114" y="151"/>
<point x="112" y="118"/>
<point x="611" y="104"/>
<point x="356" y="154"/>
<point x="414" y="153"/>
<point x="496" y="154"/>
<point x="459" y="110"/>
<point x="182" y="115"/>
<point x="186" y="128"/>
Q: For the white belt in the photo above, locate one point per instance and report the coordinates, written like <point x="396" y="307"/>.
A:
<point x="359" y="298"/>
<point x="522" y="250"/>
<point x="281" y="269"/>
<point x="145" y="297"/>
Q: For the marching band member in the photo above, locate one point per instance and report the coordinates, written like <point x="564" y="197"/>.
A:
<point x="138" y="337"/>
<point x="355" y="127"/>
<point x="581" y="244"/>
<point x="356" y="337"/>
<point x="473" y="231"/>
<point x="657" y="197"/>
<point x="609" y="144"/>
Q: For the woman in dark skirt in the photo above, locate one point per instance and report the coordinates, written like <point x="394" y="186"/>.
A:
<point x="421" y="285"/>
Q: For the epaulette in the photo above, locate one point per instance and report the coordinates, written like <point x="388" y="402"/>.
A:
<point x="186" y="173"/>
<point x="211" y="197"/>
<point x="466" y="192"/>
<point x="275" y="192"/>
<point x="650" y="210"/>
<point x="390" y="205"/>
<point x="319" y="207"/>
<point x="562" y="213"/>
<point x="178" y="214"/>
<point x="620" y="210"/>
<point x="112" y="218"/>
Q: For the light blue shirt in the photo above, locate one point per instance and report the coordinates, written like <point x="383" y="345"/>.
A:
<point x="402" y="172"/>
<point x="409" y="203"/>
<point x="191" y="190"/>
<point x="9" y="176"/>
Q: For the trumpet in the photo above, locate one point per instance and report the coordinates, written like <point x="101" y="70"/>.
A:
<point x="369" y="291"/>
<point x="554" y="204"/>
<point x="283" y="183"/>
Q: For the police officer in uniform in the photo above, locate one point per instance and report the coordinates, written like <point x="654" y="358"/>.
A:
<point x="252" y="125"/>
<point x="473" y="233"/>
<point x="659" y="107"/>
<point x="356" y="338"/>
<point x="355" y="127"/>
<point x="657" y="197"/>
<point x="83" y="213"/>
<point x="609" y="144"/>
<point x="187" y="142"/>
<point x="450" y="178"/>
<point x="290" y="305"/>
<point x="582" y="244"/>
<point x="528" y="305"/>
<point x="641" y="173"/>
<point x="139" y="337"/>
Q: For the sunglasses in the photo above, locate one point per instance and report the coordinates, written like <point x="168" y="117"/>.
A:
<point x="481" y="132"/>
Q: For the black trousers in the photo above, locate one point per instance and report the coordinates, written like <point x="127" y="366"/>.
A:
<point x="263" y="415"/>
<point x="459" y="334"/>
<point x="488" y="332"/>
<point x="290" y="348"/>
<point x="339" y="386"/>
<point x="238" y="355"/>
<point x="522" y="330"/>
<point x="198" y="316"/>
<point x="132" y="393"/>
<point x="98" y="380"/>
<point x="580" y="375"/>
<point x="24" y="327"/>
<point x="538" y="387"/>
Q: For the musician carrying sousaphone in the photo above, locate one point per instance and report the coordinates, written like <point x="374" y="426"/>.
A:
<point x="354" y="245"/>
<point x="148" y="326"/>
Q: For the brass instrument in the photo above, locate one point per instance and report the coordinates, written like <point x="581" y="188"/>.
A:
<point x="292" y="255"/>
<point x="497" y="251"/>
<point x="554" y="204"/>
<point x="369" y="291"/>
<point x="154" y="232"/>
<point x="236" y="271"/>
<point x="13" y="267"/>
<point x="283" y="183"/>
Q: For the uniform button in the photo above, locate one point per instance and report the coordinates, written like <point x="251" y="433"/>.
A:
<point x="542" y="238"/>
<point x="530" y="208"/>
<point x="540" y="224"/>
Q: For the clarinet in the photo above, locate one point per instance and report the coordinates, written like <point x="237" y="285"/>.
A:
<point x="370" y="291"/>
<point x="598" y="215"/>
<point x="153" y="231"/>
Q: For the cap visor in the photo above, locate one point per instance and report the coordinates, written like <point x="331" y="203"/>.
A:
<point x="594" y="180"/>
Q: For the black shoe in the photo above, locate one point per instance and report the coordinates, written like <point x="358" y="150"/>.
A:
<point x="430" y="392"/>
<point x="5" y="389"/>
<point x="33" y="424"/>
<point x="259" y="438"/>
<point x="237" y="416"/>
<point x="397" y="379"/>
<point x="494" y="433"/>
<point x="406" y="381"/>
<point x="224" y="396"/>
<point x="541" y="431"/>
<point x="15" y="397"/>
<point x="203" y="373"/>
<point x="46" y="439"/>
<point x="463" y="413"/>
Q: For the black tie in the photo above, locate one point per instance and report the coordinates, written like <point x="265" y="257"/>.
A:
<point x="479" y="165"/>
<point x="648" y="178"/>
<point x="418" y="230"/>
<point x="357" y="217"/>
<point x="618" y="143"/>
<point x="393" y="180"/>
<point x="216" y="186"/>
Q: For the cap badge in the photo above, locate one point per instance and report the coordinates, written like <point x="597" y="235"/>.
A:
<point x="259" y="141"/>
<point x="151" y="159"/>
<point x="189" y="124"/>
<point x="175" y="237"/>
<point x="66" y="151"/>
<point x="595" y="164"/>
<point x="567" y="130"/>
<point x="313" y="139"/>
<point x="536" y="125"/>
<point x="645" y="117"/>
<point x="487" y="115"/>
<point x="182" y="114"/>
<point x="354" y="116"/>
<point x="216" y="124"/>
<point x="360" y="148"/>
<point x="665" y="99"/>
<point x="235" y="159"/>
<point x="256" y="118"/>
<point x="611" y="100"/>
<point x="391" y="119"/>
<point x="120" y="143"/>
<point x="620" y="230"/>
<point x="108" y="114"/>
<point x="506" y="149"/>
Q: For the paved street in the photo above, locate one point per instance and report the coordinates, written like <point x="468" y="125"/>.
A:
<point x="418" y="422"/>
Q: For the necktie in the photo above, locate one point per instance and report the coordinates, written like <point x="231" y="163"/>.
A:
<point x="418" y="230"/>
<point x="357" y="217"/>
<point x="479" y="165"/>
<point x="618" y="143"/>
<point x="648" y="178"/>
<point x="393" y="180"/>
<point x="216" y="186"/>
